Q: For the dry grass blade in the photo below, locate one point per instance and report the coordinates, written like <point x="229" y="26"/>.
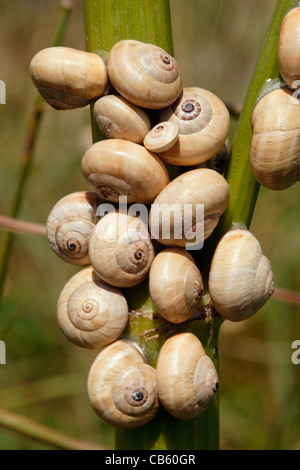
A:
<point x="21" y="226"/>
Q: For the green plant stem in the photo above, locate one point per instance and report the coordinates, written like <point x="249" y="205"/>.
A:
<point x="27" y="159"/>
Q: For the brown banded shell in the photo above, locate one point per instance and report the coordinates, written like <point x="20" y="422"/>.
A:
<point x="275" y="149"/>
<point x="187" y="380"/>
<point x="289" y="48"/>
<point x="91" y="313"/>
<point x="175" y="285"/>
<point x="118" y="167"/>
<point x="121" y="250"/>
<point x="70" y="225"/>
<point x="174" y="217"/>
<point x="68" y="78"/>
<point x="144" y="74"/>
<point x="121" y="387"/>
<point x="203" y="124"/>
<point x="117" y="118"/>
<point x="241" y="278"/>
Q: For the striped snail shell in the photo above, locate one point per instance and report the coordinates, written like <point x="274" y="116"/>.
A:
<point x="144" y="74"/>
<point x="91" y="313"/>
<point x="289" y="48"/>
<point x="187" y="380"/>
<point x="117" y="118"/>
<point x="70" y="225"/>
<point x="241" y="278"/>
<point x="122" y="387"/>
<point x="175" y="284"/>
<point x="118" y="167"/>
<point x="275" y="149"/>
<point x="203" y="122"/>
<point x="121" y="250"/>
<point x="68" y="78"/>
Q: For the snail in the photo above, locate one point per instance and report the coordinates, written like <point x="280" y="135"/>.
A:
<point x="184" y="197"/>
<point x="91" y="313"/>
<point x="117" y="118"/>
<point x="118" y="167"/>
<point x="289" y="48"/>
<point x="219" y="161"/>
<point x="186" y="378"/>
<point x="175" y="284"/>
<point x="70" y="225"/>
<point x="275" y="148"/>
<point x="161" y="137"/>
<point x="68" y="78"/>
<point x="121" y="250"/>
<point x="203" y="122"/>
<point x="122" y="387"/>
<point x="240" y="278"/>
<point x="144" y="74"/>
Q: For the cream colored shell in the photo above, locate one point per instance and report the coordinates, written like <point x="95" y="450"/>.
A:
<point x="203" y="122"/>
<point x="161" y="137"/>
<point x="289" y="48"/>
<point x="70" y="225"/>
<point x="121" y="387"/>
<point x="68" y="78"/>
<point x="187" y="380"/>
<point x="144" y="74"/>
<point x="91" y="313"/>
<point x="121" y="250"/>
<point x="118" y="167"/>
<point x="188" y="192"/>
<point x="241" y="278"/>
<point x="117" y="118"/>
<point x="275" y="149"/>
<point x="175" y="285"/>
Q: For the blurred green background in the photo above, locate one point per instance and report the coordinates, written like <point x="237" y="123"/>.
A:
<point x="216" y="44"/>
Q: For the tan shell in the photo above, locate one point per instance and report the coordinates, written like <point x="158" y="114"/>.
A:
<point x="121" y="387"/>
<point x="118" y="167"/>
<point x="121" y="250"/>
<point x="191" y="189"/>
<point x="144" y="74"/>
<point x="219" y="161"/>
<point x="91" y="313"/>
<point x="68" y="78"/>
<point x="175" y="285"/>
<point x="70" y="225"/>
<point x="203" y="122"/>
<point x="187" y="380"/>
<point x="240" y="278"/>
<point x="117" y="118"/>
<point x="289" y="48"/>
<point x="161" y="137"/>
<point x="275" y="149"/>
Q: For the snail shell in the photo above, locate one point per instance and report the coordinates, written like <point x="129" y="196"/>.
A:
<point x="186" y="377"/>
<point x="144" y="74"/>
<point x="67" y="78"/>
<point x="121" y="387"/>
<point x="175" y="285"/>
<point x="289" y="47"/>
<point x="121" y="250"/>
<point x="70" y="225"/>
<point x="117" y="118"/>
<point x="91" y="313"/>
<point x="203" y="122"/>
<point x="118" y="167"/>
<point x="275" y="149"/>
<point x="161" y="137"/>
<point x="193" y="188"/>
<point x="240" y="278"/>
<point x="219" y="161"/>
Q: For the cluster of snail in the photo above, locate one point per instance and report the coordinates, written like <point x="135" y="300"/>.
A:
<point x="275" y="150"/>
<point x="151" y="121"/>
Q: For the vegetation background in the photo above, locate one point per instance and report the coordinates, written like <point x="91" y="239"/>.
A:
<point x="216" y="44"/>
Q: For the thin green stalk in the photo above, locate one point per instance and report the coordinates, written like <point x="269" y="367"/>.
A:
<point x="27" y="157"/>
